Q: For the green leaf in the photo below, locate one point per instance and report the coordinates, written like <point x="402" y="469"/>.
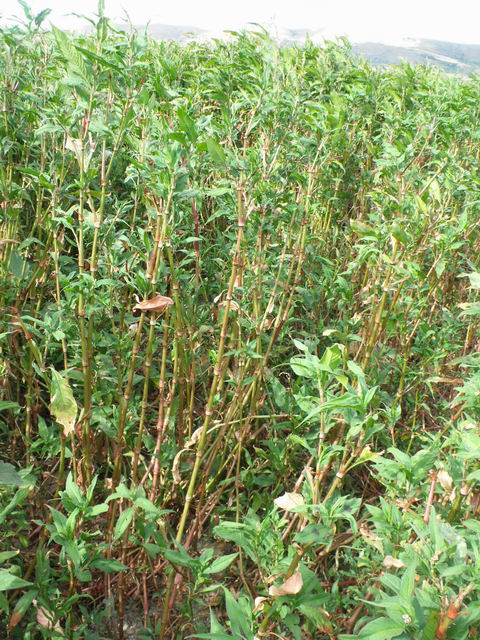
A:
<point x="215" y="626"/>
<point x="72" y="551"/>
<point x="73" y="491"/>
<point x="474" y="278"/>
<point x="220" y="564"/>
<point x="362" y="229"/>
<point x="345" y="401"/>
<point x="7" y="404"/>
<point x="22" y="606"/>
<point x="9" y="475"/>
<point x="74" y="60"/>
<point x="431" y="626"/>
<point x="62" y="403"/>
<point x="314" y="534"/>
<point x="108" y="566"/>
<point x="356" y="369"/>
<point x="381" y="629"/>
<point x="469" y="308"/>
<point x="399" y="234"/>
<point x="216" y="152"/>
<point x="212" y="636"/>
<point x="6" y="555"/>
<point x="123" y="522"/>
<point x="9" y="581"/>
<point x="147" y="506"/>
<point x="236" y="532"/>
<point x="16" y="265"/>
<point x="179" y="557"/>
<point x="26" y="9"/>
<point x="236" y="615"/>
<point x="407" y="585"/>
<point x="306" y="367"/>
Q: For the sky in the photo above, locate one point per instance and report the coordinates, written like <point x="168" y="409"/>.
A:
<point x="386" y="21"/>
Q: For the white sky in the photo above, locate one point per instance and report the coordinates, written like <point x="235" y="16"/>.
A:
<point x="378" y="20"/>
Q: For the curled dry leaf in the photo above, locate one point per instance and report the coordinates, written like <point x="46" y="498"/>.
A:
<point x="370" y="537"/>
<point x="83" y="151"/>
<point x="194" y="439"/>
<point x="158" y="304"/>
<point x="44" y="619"/>
<point x="445" y="480"/>
<point x="290" y="587"/>
<point x="289" y="501"/>
<point x="259" y="603"/>
<point x="233" y="305"/>
<point x="177" y="478"/>
<point x="390" y="562"/>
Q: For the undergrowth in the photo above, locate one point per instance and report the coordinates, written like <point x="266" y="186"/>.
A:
<point x="240" y="362"/>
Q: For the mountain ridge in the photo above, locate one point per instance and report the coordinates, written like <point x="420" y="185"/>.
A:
<point x="454" y="57"/>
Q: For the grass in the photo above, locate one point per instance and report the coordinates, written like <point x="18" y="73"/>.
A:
<point x="240" y="376"/>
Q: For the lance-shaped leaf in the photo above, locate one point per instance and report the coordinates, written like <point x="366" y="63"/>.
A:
<point x="62" y="403"/>
<point x="10" y="581"/>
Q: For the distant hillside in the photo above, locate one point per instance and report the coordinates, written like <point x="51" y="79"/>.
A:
<point x="179" y="33"/>
<point x="450" y="56"/>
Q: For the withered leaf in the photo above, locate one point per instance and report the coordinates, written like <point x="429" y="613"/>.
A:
<point x="158" y="304"/>
<point x="289" y="501"/>
<point x="390" y="562"/>
<point x="290" y="587"/>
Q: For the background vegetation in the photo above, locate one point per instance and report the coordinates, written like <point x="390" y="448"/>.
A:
<point x="240" y="378"/>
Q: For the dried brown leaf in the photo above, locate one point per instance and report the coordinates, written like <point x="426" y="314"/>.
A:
<point x="370" y="537"/>
<point x="445" y="480"/>
<point x="390" y="562"/>
<point x="289" y="501"/>
<point x="290" y="587"/>
<point x="45" y="621"/>
<point x="177" y="478"/>
<point x="158" y="304"/>
<point x="259" y="603"/>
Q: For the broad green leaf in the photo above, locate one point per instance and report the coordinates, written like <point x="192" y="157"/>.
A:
<point x="108" y="566"/>
<point x="470" y="308"/>
<point x="72" y="550"/>
<point x="362" y="229"/>
<point x="123" y="522"/>
<point x="399" y="234"/>
<point x="179" y="557"/>
<point x="73" y="58"/>
<point x="381" y="629"/>
<point x="216" y="152"/>
<point x="6" y="555"/>
<point x="407" y="585"/>
<point x="474" y="278"/>
<point x="62" y="403"/>
<point x="236" y="532"/>
<point x="212" y="636"/>
<point x="220" y="564"/>
<point x="9" y="475"/>
<point x="430" y="628"/>
<point x="345" y="401"/>
<point x="9" y="581"/>
<point x="7" y="404"/>
<point x="21" y="607"/>
<point x="236" y="615"/>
